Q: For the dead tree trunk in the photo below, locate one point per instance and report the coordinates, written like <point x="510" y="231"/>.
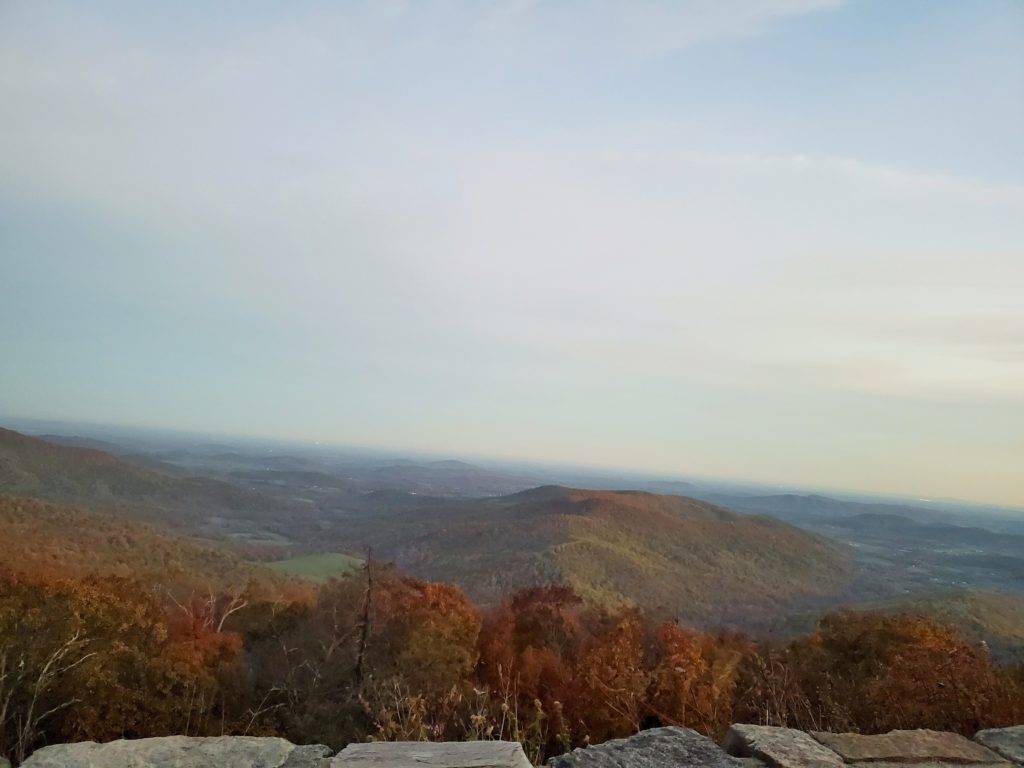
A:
<point x="364" y="623"/>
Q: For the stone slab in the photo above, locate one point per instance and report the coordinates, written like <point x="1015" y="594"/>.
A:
<point x="779" y="747"/>
<point x="919" y="746"/>
<point x="424" y="754"/>
<point x="1006" y="742"/>
<point x="671" y="747"/>
<point x="181" y="752"/>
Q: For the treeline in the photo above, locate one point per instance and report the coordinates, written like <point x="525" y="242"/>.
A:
<point x="380" y="655"/>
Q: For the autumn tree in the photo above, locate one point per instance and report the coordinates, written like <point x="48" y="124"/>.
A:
<point x="320" y="679"/>
<point x="873" y="672"/>
<point x="96" y="659"/>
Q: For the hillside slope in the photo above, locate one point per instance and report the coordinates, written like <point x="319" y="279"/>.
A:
<point x="44" y="539"/>
<point x="95" y="479"/>
<point x="31" y="466"/>
<point x="689" y="558"/>
<point x="995" y="617"/>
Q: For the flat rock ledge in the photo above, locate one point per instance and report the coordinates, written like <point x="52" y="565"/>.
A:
<point x="423" y="754"/>
<point x="920" y="746"/>
<point x="788" y="748"/>
<point x="182" y="752"/>
<point x="1005" y="742"/>
<point x="745" y="746"/>
<point x="779" y="747"/>
<point x="656" y="748"/>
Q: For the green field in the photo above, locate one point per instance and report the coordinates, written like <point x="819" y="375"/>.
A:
<point x="319" y="567"/>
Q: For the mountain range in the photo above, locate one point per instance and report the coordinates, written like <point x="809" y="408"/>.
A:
<point x="688" y="558"/>
<point x="724" y="560"/>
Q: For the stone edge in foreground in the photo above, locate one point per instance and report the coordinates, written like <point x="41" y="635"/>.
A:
<point x="437" y="754"/>
<point x="654" y="748"/>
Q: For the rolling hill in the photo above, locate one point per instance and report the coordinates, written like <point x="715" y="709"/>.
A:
<point x="91" y="478"/>
<point x="45" y="539"/>
<point x="31" y="466"/>
<point x="896" y="528"/>
<point x="691" y="559"/>
<point x="995" y="617"/>
<point x="815" y="508"/>
<point x="445" y="478"/>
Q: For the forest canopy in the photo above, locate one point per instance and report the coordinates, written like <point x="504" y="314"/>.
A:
<point x="380" y="655"/>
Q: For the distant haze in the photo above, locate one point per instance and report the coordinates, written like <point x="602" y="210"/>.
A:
<point x="780" y="240"/>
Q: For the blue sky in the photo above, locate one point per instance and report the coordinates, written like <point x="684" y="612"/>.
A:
<point x="779" y="240"/>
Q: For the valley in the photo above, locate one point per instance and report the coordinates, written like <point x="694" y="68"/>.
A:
<point x="763" y="563"/>
<point x="335" y="596"/>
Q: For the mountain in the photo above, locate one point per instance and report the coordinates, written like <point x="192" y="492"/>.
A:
<point x="95" y="479"/>
<point x="691" y="559"/>
<point x="814" y="508"/>
<point x="308" y="471"/>
<point x="445" y="478"/>
<point x="44" y="539"/>
<point x="903" y="549"/>
<point x="901" y="555"/>
<point x="936" y="536"/>
<point x="77" y="441"/>
<point x="995" y="617"/>
<point x="34" y="467"/>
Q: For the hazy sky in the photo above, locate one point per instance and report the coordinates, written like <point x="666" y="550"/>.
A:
<point x="762" y="239"/>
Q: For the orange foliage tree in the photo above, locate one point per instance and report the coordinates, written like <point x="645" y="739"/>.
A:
<point x="600" y="674"/>
<point x="873" y="672"/>
<point x="94" y="659"/>
<point x="378" y="654"/>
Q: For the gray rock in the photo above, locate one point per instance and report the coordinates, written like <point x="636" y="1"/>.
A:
<point x="181" y="752"/>
<point x="1007" y="742"/>
<point x="779" y="747"/>
<point x="4" y="762"/>
<point x="920" y="746"/>
<point x="425" y="754"/>
<point x="656" y="748"/>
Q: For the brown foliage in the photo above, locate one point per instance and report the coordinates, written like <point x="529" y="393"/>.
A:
<point x="870" y="672"/>
<point x="380" y="655"/>
<point x="97" y="660"/>
<point x="315" y="684"/>
<point x="58" y="542"/>
<point x="600" y="674"/>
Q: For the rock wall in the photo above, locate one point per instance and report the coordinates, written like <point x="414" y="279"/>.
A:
<point x="758" y="746"/>
<point x="182" y="752"/>
<point x="787" y="748"/>
<point x="745" y="746"/>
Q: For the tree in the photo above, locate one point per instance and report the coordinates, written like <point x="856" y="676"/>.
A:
<point x="874" y="672"/>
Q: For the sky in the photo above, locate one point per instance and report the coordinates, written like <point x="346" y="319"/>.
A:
<point x="772" y="240"/>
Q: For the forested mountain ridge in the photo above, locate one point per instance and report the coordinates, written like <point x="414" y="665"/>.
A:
<point x="688" y="558"/>
<point x="583" y="598"/>
<point x="684" y="558"/>
<point x="43" y="539"/>
<point x="31" y="466"/>
<point x="92" y="478"/>
<point x="995" y="617"/>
